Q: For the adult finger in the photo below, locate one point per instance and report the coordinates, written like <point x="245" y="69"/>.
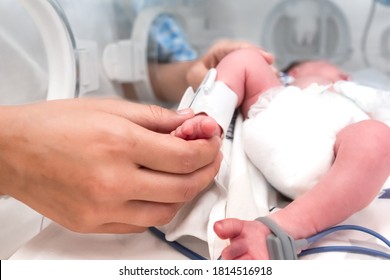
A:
<point x="151" y="117"/>
<point x="167" y="153"/>
<point x="119" y="228"/>
<point x="148" y="185"/>
<point x="157" y="151"/>
<point x="144" y="213"/>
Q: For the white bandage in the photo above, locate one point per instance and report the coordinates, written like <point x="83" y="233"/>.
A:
<point x="213" y="98"/>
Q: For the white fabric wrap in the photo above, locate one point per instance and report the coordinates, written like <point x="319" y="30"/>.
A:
<point x="288" y="138"/>
<point x="291" y="132"/>
<point x="237" y="183"/>
<point x="375" y="102"/>
<point x="217" y="101"/>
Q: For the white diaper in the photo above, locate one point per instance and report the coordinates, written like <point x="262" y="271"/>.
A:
<point x="290" y="134"/>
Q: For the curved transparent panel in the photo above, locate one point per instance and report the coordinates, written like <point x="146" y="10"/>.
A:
<point x="303" y="29"/>
<point x="23" y="71"/>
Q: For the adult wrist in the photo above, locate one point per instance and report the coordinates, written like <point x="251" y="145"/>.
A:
<point x="6" y="116"/>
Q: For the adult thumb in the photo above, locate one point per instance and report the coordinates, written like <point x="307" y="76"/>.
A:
<point x="154" y="117"/>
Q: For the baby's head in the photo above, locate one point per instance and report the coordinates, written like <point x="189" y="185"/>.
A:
<point x="320" y="71"/>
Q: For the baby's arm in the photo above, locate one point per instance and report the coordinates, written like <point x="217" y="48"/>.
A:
<point x="247" y="73"/>
<point x="361" y="167"/>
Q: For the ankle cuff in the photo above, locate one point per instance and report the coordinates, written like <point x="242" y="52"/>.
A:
<point x="214" y="98"/>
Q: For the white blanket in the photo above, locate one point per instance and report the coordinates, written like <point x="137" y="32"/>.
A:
<point x="290" y="128"/>
<point x="291" y="132"/>
<point x="240" y="190"/>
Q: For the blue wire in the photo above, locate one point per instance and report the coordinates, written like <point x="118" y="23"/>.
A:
<point x="350" y="249"/>
<point x="176" y="245"/>
<point x="348" y="227"/>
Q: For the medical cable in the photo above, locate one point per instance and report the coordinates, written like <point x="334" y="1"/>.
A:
<point x="283" y="247"/>
<point x="328" y="231"/>
<point x="350" y="249"/>
<point x="176" y="245"/>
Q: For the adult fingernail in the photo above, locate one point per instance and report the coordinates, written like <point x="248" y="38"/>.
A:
<point x="186" y="111"/>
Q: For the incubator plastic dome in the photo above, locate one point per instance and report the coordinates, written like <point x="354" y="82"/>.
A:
<point x="307" y="29"/>
<point x="126" y="60"/>
<point x="72" y="61"/>
<point x="132" y="59"/>
<point x="74" y="45"/>
<point x="23" y="71"/>
<point x="97" y="56"/>
<point x="384" y="2"/>
<point x="59" y="45"/>
<point x="375" y="41"/>
<point x="385" y="44"/>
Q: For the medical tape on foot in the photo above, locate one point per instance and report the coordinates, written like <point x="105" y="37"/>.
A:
<point x="213" y="98"/>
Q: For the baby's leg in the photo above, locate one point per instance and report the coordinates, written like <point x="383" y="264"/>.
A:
<point x="199" y="127"/>
<point x="360" y="169"/>
<point x="248" y="74"/>
<point x="363" y="160"/>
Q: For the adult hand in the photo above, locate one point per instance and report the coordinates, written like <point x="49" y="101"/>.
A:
<point x="215" y="54"/>
<point x="102" y="165"/>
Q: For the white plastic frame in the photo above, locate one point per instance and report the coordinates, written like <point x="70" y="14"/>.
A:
<point x="127" y="60"/>
<point x="59" y="46"/>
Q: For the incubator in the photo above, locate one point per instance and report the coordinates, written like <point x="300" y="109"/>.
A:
<point x="58" y="49"/>
<point x="112" y="47"/>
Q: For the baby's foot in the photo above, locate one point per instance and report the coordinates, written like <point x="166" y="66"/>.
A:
<point x="247" y="239"/>
<point x="199" y="127"/>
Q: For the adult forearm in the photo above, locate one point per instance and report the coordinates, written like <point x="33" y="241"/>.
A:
<point x="169" y="80"/>
<point x="6" y="132"/>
